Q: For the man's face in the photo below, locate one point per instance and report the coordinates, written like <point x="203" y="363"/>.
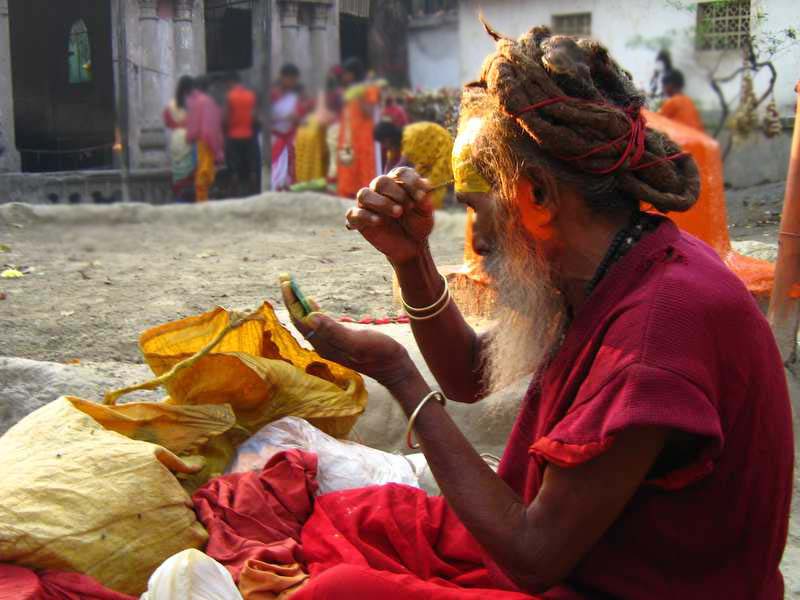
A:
<point x="670" y="89"/>
<point x="481" y="212"/>
<point x="348" y="78"/>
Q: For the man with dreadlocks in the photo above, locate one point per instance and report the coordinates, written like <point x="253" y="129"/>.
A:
<point x="652" y="456"/>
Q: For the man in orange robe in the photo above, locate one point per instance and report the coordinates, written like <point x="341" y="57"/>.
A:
<point x="679" y="106"/>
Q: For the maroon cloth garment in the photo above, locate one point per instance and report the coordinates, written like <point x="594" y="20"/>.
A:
<point x="669" y="338"/>
<point x="19" y="583"/>
<point x="259" y="515"/>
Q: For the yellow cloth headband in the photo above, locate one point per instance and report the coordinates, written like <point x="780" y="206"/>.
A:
<point x="466" y="176"/>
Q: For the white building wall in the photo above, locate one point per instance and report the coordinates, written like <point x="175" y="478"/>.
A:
<point x="617" y="24"/>
<point x="433" y="55"/>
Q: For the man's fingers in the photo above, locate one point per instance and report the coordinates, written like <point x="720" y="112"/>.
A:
<point x="378" y="203"/>
<point x="387" y="186"/>
<point x="416" y="186"/>
<point x="359" y="219"/>
<point x="328" y="337"/>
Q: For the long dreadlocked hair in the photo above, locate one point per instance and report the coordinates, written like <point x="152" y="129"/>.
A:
<point x="560" y="109"/>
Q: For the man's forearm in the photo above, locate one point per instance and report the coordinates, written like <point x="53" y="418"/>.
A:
<point x="451" y="347"/>
<point x="484" y="503"/>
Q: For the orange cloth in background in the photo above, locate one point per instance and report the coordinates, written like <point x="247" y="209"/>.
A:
<point x="356" y="134"/>
<point x="263" y="581"/>
<point x="206" y="172"/>
<point x="681" y="108"/>
<point x="241" y="108"/>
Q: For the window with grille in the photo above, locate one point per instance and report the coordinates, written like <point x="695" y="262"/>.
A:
<point x="572" y="24"/>
<point x="723" y="25"/>
<point x="431" y="7"/>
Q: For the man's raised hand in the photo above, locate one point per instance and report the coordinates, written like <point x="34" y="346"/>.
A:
<point x="394" y="214"/>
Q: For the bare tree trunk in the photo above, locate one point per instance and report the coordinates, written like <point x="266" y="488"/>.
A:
<point x="388" y="40"/>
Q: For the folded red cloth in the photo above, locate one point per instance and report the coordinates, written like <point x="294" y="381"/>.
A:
<point x="19" y="583"/>
<point x="259" y="515"/>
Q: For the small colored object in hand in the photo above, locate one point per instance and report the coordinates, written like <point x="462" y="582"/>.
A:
<point x="298" y="293"/>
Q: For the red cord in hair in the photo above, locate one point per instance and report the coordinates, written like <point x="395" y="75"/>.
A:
<point x="634" y="149"/>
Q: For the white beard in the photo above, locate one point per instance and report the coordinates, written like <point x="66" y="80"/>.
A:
<point x="530" y="313"/>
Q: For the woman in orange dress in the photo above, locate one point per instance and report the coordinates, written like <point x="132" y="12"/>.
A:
<point x="356" y="150"/>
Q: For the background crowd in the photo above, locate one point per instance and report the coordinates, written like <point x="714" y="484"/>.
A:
<point x="354" y="129"/>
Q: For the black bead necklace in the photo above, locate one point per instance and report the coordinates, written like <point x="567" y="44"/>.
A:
<point x="625" y="239"/>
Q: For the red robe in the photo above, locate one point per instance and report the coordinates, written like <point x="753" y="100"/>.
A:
<point x="669" y="338"/>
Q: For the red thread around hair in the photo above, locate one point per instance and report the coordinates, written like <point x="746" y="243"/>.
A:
<point x="634" y="148"/>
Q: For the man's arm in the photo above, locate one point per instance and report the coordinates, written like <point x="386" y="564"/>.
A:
<point x="451" y="348"/>
<point x="536" y="546"/>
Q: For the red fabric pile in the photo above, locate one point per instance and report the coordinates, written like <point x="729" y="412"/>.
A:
<point x="259" y="515"/>
<point x="390" y="540"/>
<point x="19" y="583"/>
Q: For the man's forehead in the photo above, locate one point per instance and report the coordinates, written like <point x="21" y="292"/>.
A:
<point x="466" y="176"/>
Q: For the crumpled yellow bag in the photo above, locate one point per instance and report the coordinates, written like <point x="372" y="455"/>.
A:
<point x="258" y="368"/>
<point x="204" y="437"/>
<point x="76" y="496"/>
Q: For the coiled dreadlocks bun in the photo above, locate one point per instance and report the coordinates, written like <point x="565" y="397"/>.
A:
<point x="582" y="111"/>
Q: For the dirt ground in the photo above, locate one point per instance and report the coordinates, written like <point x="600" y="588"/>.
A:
<point x="96" y="277"/>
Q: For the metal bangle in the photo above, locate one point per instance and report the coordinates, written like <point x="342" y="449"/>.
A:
<point x="436" y="314"/>
<point x="412" y="309"/>
<point x="410" y="430"/>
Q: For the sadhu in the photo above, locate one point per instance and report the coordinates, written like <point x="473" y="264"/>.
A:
<point x="652" y="456"/>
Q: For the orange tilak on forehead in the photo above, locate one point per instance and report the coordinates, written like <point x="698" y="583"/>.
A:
<point x="536" y="219"/>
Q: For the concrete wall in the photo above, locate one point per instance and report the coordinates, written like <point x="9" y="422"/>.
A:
<point x="618" y="24"/>
<point x="433" y="52"/>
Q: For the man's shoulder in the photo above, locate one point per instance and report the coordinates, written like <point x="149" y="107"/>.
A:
<point x="688" y="303"/>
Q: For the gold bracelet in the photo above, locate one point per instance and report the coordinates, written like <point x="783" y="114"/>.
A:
<point x="411" y="309"/>
<point x="436" y="314"/>
<point x="410" y="430"/>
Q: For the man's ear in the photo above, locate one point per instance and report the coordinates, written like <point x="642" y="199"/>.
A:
<point x="536" y="209"/>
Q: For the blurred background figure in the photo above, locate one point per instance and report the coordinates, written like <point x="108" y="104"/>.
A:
<point x="314" y="154"/>
<point x="355" y="155"/>
<point x="241" y="130"/>
<point x="678" y="106"/>
<point x="183" y="160"/>
<point x="395" y="112"/>
<point x="287" y="109"/>
<point x="425" y="146"/>
<point x="204" y="127"/>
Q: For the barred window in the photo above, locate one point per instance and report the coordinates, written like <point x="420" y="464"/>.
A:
<point x="431" y="7"/>
<point x="572" y="24"/>
<point x="723" y="25"/>
<point x="356" y="8"/>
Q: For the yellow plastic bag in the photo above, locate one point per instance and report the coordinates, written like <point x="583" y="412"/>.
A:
<point x="258" y="368"/>
<point x="76" y="496"/>
<point x="205" y="437"/>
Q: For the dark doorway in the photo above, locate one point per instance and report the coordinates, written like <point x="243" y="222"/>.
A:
<point x="63" y="83"/>
<point x="354" y="36"/>
<point x="229" y="35"/>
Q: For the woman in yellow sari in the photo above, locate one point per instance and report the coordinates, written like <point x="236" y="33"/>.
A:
<point x="425" y="146"/>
